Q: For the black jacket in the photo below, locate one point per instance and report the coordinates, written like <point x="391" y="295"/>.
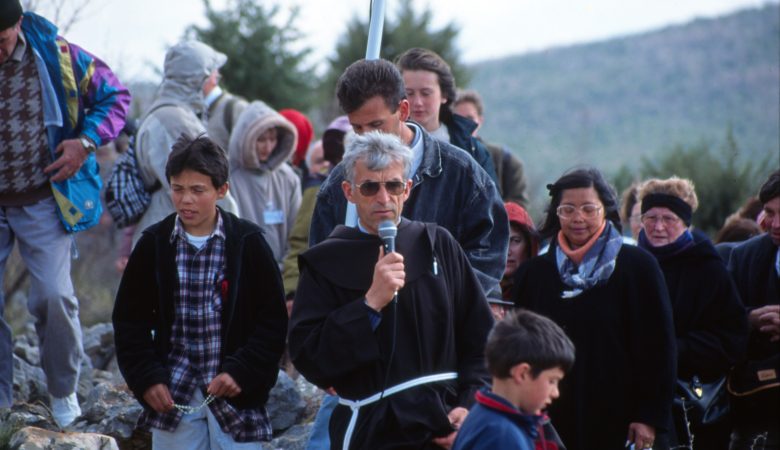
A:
<point x="709" y="319"/>
<point x="439" y="324"/>
<point x="460" y="129"/>
<point x="623" y="334"/>
<point x="752" y="266"/>
<point x="254" y="318"/>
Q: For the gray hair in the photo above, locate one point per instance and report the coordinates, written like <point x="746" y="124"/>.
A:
<point x="377" y="150"/>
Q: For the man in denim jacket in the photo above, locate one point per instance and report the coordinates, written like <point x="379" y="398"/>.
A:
<point x="448" y="187"/>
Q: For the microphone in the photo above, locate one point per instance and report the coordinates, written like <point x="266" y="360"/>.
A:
<point x="387" y="232"/>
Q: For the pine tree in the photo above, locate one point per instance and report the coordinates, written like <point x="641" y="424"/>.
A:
<point x="261" y="63"/>
<point x="400" y="33"/>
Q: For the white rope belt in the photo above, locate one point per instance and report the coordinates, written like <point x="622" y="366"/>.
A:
<point x="355" y="405"/>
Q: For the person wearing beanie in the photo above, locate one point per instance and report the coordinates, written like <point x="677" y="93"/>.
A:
<point x="333" y="140"/>
<point x="523" y="245"/>
<point x="51" y="127"/>
<point x="710" y="323"/>
<point x="190" y="68"/>
<point x="305" y="135"/>
<point x="266" y="188"/>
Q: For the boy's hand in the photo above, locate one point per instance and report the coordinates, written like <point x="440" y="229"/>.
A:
<point x="159" y="398"/>
<point x="223" y="385"/>
<point x="456" y="416"/>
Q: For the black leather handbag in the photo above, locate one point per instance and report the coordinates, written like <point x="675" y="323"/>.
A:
<point x="704" y="403"/>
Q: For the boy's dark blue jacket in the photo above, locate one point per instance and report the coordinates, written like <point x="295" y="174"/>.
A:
<point x="493" y="423"/>
<point x="254" y="318"/>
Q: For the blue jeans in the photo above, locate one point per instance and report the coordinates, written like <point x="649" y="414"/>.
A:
<point x="45" y="249"/>
<point x="198" y="431"/>
<point x="320" y="437"/>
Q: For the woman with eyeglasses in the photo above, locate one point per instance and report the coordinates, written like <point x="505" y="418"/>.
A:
<point x="611" y="300"/>
<point x="710" y="322"/>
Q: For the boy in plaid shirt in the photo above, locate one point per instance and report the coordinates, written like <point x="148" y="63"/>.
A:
<point x="199" y="319"/>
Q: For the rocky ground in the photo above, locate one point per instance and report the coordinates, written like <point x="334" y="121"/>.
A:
<point x="109" y="410"/>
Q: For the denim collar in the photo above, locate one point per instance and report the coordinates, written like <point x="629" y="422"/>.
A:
<point x="431" y="162"/>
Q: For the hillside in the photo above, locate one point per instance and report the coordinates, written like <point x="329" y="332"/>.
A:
<point x="608" y="103"/>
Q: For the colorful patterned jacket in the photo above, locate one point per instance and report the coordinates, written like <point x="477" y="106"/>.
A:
<point x="81" y="96"/>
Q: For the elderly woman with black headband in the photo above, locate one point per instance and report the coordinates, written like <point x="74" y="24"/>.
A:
<point x="710" y="323"/>
<point x="611" y="300"/>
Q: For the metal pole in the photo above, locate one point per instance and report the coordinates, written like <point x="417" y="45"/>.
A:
<point x="375" y="27"/>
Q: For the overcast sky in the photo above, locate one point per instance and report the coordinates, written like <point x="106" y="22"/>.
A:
<point x="132" y="36"/>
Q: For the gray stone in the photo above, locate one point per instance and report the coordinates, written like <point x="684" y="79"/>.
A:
<point x="23" y="415"/>
<point x="99" y="344"/>
<point x="29" y="382"/>
<point x="32" y="438"/>
<point x="311" y="394"/>
<point x="113" y="367"/>
<point x="293" y="439"/>
<point x="111" y="410"/>
<point x="86" y="382"/>
<point x="285" y="405"/>
<point x="27" y="350"/>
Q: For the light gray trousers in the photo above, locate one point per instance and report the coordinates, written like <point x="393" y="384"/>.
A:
<point x="45" y="248"/>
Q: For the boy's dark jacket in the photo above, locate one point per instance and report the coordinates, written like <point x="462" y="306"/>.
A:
<point x="494" y="423"/>
<point x="254" y="318"/>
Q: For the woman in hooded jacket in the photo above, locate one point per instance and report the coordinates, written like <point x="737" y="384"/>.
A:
<point x="266" y="188"/>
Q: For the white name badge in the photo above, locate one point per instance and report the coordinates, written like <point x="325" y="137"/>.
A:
<point x="273" y="217"/>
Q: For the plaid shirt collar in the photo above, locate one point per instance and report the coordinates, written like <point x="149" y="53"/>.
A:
<point x="178" y="229"/>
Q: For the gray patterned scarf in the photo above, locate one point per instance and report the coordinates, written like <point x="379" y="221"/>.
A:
<point x="596" y="267"/>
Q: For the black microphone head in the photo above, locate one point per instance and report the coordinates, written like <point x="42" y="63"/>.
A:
<point x="387" y="229"/>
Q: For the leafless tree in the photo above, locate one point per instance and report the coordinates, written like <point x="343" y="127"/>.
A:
<point x="63" y="13"/>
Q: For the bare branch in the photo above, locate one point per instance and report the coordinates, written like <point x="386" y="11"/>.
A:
<point x="64" y="13"/>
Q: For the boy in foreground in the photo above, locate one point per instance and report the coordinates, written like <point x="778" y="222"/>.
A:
<point x="199" y="319"/>
<point x="527" y="356"/>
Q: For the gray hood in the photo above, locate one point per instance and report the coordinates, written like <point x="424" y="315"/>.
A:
<point x="187" y="66"/>
<point x="254" y="121"/>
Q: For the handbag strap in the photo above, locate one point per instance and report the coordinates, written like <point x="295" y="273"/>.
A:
<point x="733" y="392"/>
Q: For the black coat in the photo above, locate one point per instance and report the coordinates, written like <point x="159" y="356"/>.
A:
<point x="442" y="324"/>
<point x="709" y="320"/>
<point x="254" y="317"/>
<point x="623" y="333"/>
<point x="752" y="267"/>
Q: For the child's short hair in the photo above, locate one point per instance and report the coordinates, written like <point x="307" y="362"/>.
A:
<point x="526" y="337"/>
<point x="200" y="155"/>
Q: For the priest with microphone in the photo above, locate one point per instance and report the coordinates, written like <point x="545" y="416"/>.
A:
<point x="389" y="314"/>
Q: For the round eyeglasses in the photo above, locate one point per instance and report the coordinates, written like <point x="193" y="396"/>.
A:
<point x="588" y="211"/>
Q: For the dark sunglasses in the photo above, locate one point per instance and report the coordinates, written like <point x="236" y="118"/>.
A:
<point x="371" y="188"/>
